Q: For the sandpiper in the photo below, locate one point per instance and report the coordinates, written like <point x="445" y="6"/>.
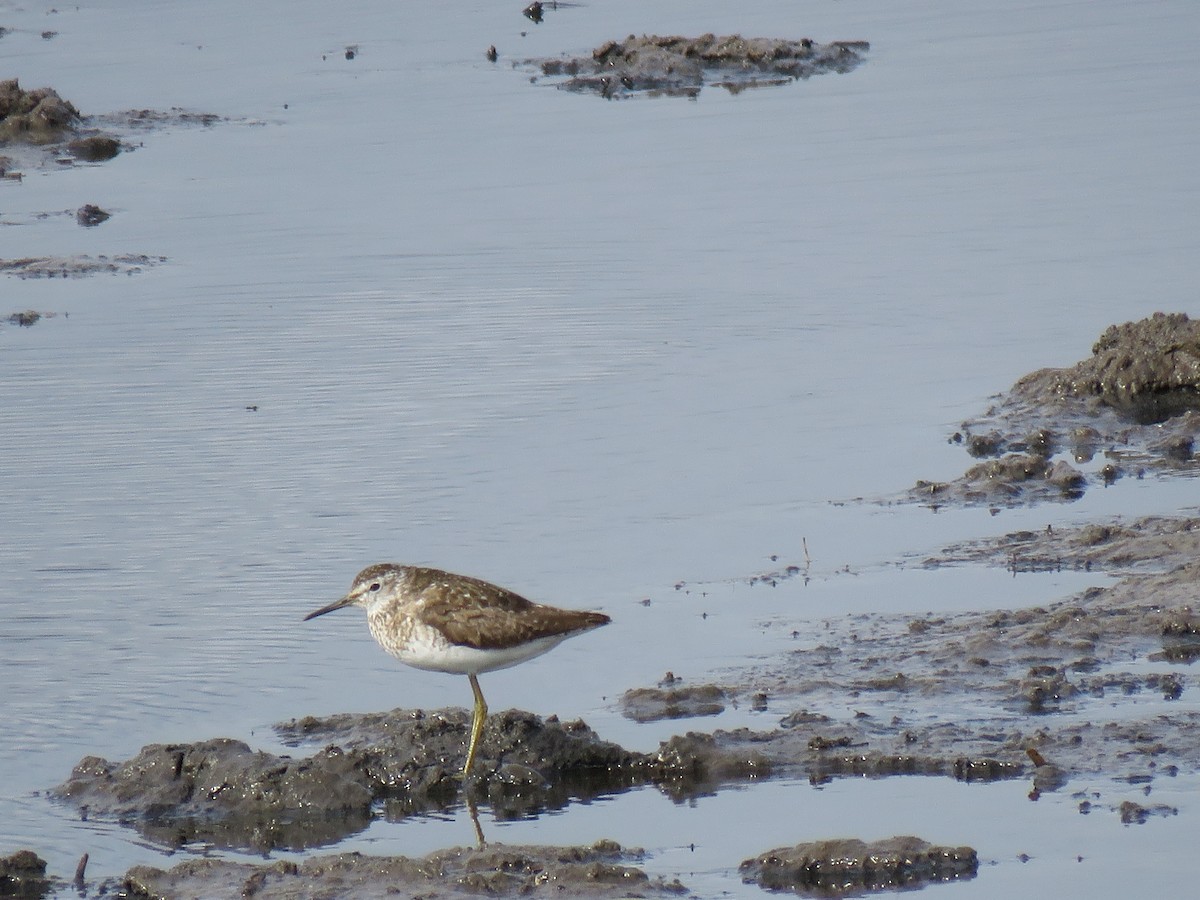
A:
<point x="444" y="622"/>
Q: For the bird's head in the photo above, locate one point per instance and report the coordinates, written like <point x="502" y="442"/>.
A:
<point x="371" y="585"/>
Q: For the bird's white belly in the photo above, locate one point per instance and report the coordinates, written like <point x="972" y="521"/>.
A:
<point x="428" y="649"/>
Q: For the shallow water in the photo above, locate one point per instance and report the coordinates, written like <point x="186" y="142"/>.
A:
<point x="584" y="349"/>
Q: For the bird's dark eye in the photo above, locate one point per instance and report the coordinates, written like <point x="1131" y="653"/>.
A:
<point x="374" y="587"/>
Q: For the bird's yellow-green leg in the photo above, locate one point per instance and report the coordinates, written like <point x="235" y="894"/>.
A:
<point x="481" y="712"/>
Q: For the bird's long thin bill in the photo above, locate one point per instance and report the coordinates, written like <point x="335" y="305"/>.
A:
<point x="336" y="604"/>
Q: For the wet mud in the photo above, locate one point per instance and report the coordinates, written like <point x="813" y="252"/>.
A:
<point x="603" y="870"/>
<point x="79" y="266"/>
<point x="1130" y="408"/>
<point x="675" y="66"/>
<point x="1058" y="696"/>
<point x="1095" y="685"/>
<point x="393" y="764"/>
<point x="28" y="318"/>
<point x="658" y="703"/>
<point x="852" y="867"/>
<point x="89" y="215"/>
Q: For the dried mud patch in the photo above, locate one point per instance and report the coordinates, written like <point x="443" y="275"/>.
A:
<point x="1130" y="408"/>
<point x="675" y="66"/>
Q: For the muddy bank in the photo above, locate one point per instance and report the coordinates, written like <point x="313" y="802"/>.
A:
<point x="1088" y="697"/>
<point x="603" y="870"/>
<point x="1118" y="654"/>
<point x="1094" y="685"/>
<point x="677" y="66"/>
<point x="1132" y="407"/>
<point x="403" y="763"/>
<point x="1152" y="544"/>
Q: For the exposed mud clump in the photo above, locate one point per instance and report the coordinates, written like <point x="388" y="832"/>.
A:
<point x="96" y="148"/>
<point x="844" y="867"/>
<point x="601" y="870"/>
<point x="656" y="704"/>
<point x="1018" y="477"/>
<point x="397" y="764"/>
<point x="38" y="116"/>
<point x="1149" y="370"/>
<point x="47" y="127"/>
<point x="222" y="791"/>
<point x="29" y="318"/>
<point x="697" y="764"/>
<point x="40" y="128"/>
<point x="1133" y="406"/>
<point x="24" y="875"/>
<point x="680" y="67"/>
<point x="148" y="119"/>
<point x="89" y="215"/>
<point x="1136" y="814"/>
<point x="78" y="266"/>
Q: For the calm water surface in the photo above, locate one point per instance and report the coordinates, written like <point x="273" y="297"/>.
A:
<point x="584" y="349"/>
